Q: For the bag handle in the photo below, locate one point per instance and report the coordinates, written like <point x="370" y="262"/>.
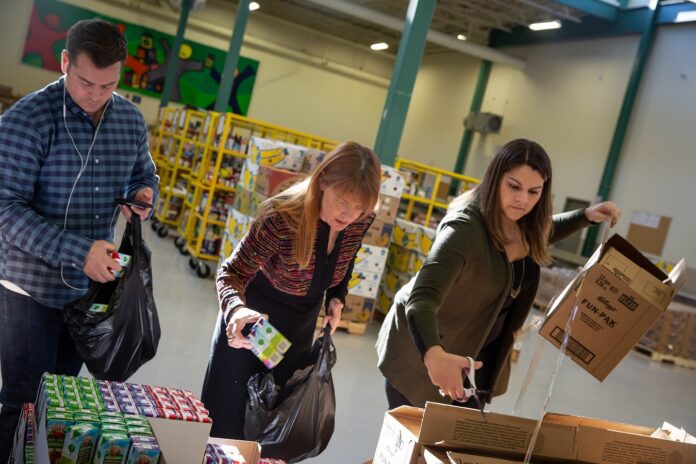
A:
<point x="134" y="229"/>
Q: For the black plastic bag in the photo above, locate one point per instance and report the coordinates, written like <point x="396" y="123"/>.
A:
<point x="295" y="421"/>
<point x="115" y="343"/>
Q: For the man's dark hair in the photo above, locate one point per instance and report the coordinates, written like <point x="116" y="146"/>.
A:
<point x="100" y="40"/>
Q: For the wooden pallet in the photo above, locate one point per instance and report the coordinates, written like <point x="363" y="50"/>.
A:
<point x="666" y="358"/>
<point x="352" y="327"/>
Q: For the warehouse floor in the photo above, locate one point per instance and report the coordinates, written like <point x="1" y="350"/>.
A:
<point x="639" y="391"/>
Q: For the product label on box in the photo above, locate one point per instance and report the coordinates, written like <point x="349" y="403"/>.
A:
<point x="267" y="343"/>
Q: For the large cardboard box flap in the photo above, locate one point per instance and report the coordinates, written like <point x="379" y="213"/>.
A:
<point x="406" y="430"/>
<point x="619" y="297"/>
<point x="606" y="442"/>
<point x="398" y="439"/>
<point x="454" y="427"/>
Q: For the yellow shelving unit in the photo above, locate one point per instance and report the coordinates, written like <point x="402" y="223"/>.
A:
<point x="177" y="152"/>
<point x="434" y="197"/>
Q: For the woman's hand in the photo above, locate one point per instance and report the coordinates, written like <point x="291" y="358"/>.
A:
<point x="445" y="371"/>
<point x="607" y="211"/>
<point x="241" y="316"/>
<point x="333" y="314"/>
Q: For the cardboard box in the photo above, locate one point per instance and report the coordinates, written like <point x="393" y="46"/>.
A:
<point x="392" y="182"/>
<point x="249" y="449"/>
<point x="371" y="258"/>
<point x="379" y="233"/>
<point x="387" y="207"/>
<point x="271" y="180"/>
<point x="364" y="283"/>
<point x="405" y="234"/>
<point x="181" y="442"/>
<point x="619" y="297"/>
<point x="312" y="159"/>
<point x="358" y="308"/>
<point x="436" y="456"/>
<point x="266" y="152"/>
<point x="407" y="430"/>
<point x="247" y="201"/>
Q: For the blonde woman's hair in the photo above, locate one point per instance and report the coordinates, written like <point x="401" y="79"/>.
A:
<point x="537" y="224"/>
<point x="352" y="169"/>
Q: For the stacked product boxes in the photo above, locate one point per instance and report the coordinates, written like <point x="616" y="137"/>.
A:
<point x="371" y="261"/>
<point x="410" y="245"/>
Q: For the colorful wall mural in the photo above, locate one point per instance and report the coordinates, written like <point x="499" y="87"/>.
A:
<point x="198" y="72"/>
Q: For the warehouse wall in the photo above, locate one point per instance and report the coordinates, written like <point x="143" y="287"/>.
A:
<point x="339" y="98"/>
<point x="568" y="98"/>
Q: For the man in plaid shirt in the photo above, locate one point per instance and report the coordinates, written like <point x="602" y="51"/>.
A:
<point x="67" y="152"/>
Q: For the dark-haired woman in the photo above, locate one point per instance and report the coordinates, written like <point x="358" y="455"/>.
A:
<point x="478" y="282"/>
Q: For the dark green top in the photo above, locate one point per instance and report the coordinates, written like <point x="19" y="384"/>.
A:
<point x="454" y="301"/>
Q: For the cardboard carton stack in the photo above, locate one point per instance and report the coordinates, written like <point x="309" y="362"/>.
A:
<point x="411" y="243"/>
<point x="673" y="336"/>
<point x="270" y="167"/>
<point x="371" y="260"/>
<point x="619" y="296"/>
<point x="413" y="435"/>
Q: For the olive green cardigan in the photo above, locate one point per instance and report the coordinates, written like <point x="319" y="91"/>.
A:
<point x="454" y="301"/>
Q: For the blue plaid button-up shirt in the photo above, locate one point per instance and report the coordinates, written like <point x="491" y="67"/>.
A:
<point x="38" y="168"/>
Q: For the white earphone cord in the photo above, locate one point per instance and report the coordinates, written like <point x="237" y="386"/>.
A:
<point x="83" y="166"/>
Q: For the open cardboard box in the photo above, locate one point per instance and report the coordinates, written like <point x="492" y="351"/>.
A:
<point x="619" y="297"/>
<point x="180" y="442"/>
<point x="562" y="438"/>
<point x="249" y="449"/>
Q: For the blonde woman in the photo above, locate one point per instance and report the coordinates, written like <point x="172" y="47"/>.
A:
<point x="478" y="283"/>
<point x="298" y="253"/>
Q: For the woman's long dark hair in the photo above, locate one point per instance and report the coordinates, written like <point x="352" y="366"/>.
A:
<point x="535" y="225"/>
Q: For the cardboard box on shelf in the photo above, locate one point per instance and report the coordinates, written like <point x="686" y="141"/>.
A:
<point x="266" y="152"/>
<point x="392" y="182"/>
<point x="271" y="180"/>
<point x="407" y="430"/>
<point x="371" y="258"/>
<point x="364" y="283"/>
<point x="387" y="207"/>
<point x="358" y="308"/>
<point x="247" y="201"/>
<point x="619" y="297"/>
<point x="379" y="233"/>
<point x="312" y="159"/>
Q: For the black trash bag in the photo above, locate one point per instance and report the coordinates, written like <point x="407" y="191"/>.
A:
<point x="295" y="421"/>
<point x="115" y="343"/>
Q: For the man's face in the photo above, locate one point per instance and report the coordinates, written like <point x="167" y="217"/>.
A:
<point x="90" y="87"/>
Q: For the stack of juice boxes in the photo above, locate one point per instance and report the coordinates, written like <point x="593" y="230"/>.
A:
<point x="98" y="422"/>
<point x="223" y="454"/>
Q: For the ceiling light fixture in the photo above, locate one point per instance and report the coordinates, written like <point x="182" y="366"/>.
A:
<point x="545" y="26"/>
<point x="461" y="37"/>
<point x="253" y="6"/>
<point x="379" y="46"/>
<point x="685" y="16"/>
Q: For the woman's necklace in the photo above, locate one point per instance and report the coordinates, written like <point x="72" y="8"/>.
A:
<point x="516" y="291"/>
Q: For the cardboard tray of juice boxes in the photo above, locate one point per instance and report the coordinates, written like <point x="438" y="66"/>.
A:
<point x="415" y="436"/>
<point x="81" y="420"/>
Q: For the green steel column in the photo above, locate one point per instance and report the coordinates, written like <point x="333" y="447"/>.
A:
<point x="228" y="72"/>
<point x="408" y="58"/>
<point x="646" y="41"/>
<point x="479" y="92"/>
<point x="174" y="52"/>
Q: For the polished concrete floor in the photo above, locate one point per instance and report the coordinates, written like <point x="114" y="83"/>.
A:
<point x="639" y="391"/>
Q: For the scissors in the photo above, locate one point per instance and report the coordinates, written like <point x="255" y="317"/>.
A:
<point x="472" y="390"/>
